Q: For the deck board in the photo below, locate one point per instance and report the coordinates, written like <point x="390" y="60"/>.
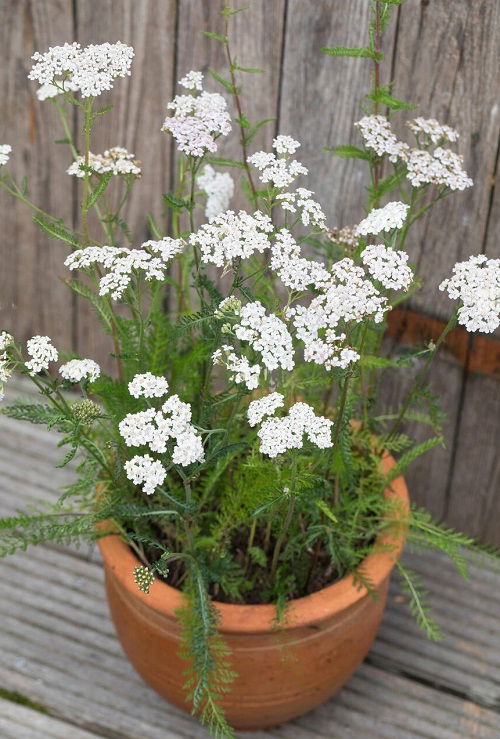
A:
<point x="58" y="648"/>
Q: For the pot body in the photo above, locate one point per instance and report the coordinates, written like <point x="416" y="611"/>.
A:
<point x="281" y="672"/>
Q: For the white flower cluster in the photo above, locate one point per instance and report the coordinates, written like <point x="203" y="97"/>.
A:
<point x="278" y="435"/>
<point x="379" y="137"/>
<point x="148" y="385"/>
<point x="78" y="370"/>
<point x="219" y="188"/>
<point x="5" y="150"/>
<point x="441" y="167"/>
<point x="42" y="352"/>
<point x="267" y="334"/>
<point x="285" y="144"/>
<point x="232" y="235"/>
<point x="349" y="296"/>
<point x="116" y="160"/>
<point x="5" y="341"/>
<point x="90" y="70"/>
<point x="391" y="216"/>
<point x="311" y="212"/>
<point x="296" y="272"/>
<point x="476" y="284"/>
<point x="240" y="369"/>
<point x="192" y="81"/>
<point x="388" y="266"/>
<point x="265" y="406"/>
<point x="145" y="471"/>
<point x="122" y="262"/>
<point x="155" y="429"/>
<point x="432" y="131"/>
<point x="198" y="120"/>
<point x="279" y="171"/>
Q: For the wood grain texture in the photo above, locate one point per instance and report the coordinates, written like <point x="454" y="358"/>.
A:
<point x="32" y="299"/>
<point x="136" y="118"/>
<point x="321" y="98"/>
<point x="446" y="60"/>
<point x="58" y="647"/>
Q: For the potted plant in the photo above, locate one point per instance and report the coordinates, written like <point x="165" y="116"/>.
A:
<point x="234" y="465"/>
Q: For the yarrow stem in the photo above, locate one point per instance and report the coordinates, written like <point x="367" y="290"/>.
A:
<point x="287" y="521"/>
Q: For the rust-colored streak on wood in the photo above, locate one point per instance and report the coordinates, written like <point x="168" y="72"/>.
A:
<point x="410" y="327"/>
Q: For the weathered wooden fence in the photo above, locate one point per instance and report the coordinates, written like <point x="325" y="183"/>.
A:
<point x="441" y="54"/>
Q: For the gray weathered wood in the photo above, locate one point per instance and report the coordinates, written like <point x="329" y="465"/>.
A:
<point x="58" y="647"/>
<point x="445" y="61"/>
<point x="32" y="299"/>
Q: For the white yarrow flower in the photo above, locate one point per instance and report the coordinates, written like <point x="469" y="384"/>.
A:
<point x="122" y="263"/>
<point x="265" y="406"/>
<point x="388" y="266"/>
<point x="192" y="81"/>
<point x="5" y="340"/>
<point x="391" y="216"/>
<point x="278" y="435"/>
<point x="42" y="352"/>
<point x="240" y="369"/>
<point x="116" y="160"/>
<point x="219" y="188"/>
<point x="379" y="137"/>
<point x="232" y="235"/>
<point x="78" y="370"/>
<point x="198" y="120"/>
<point x="476" y="284"/>
<point x="90" y="70"/>
<point x="285" y="144"/>
<point x="5" y="150"/>
<point x="432" y="131"/>
<point x="148" y="385"/>
<point x="267" y="334"/>
<point x="280" y="172"/>
<point x="145" y="471"/>
<point x="156" y="428"/>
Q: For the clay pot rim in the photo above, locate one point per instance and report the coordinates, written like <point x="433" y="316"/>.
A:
<point x="254" y="619"/>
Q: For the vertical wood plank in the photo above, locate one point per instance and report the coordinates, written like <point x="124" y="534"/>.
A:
<point x="321" y="98"/>
<point x="447" y="61"/>
<point x="427" y="476"/>
<point x="32" y="298"/>
<point x="136" y="119"/>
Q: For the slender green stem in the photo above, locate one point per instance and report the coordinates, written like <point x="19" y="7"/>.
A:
<point x="288" y="520"/>
<point x="237" y="101"/>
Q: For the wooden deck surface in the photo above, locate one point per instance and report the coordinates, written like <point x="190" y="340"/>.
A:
<point x="63" y="674"/>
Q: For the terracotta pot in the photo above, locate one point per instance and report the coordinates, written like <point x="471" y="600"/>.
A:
<point x="326" y="636"/>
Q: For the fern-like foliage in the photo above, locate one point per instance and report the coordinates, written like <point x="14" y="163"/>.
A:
<point x="210" y="675"/>
<point x="419" y="603"/>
